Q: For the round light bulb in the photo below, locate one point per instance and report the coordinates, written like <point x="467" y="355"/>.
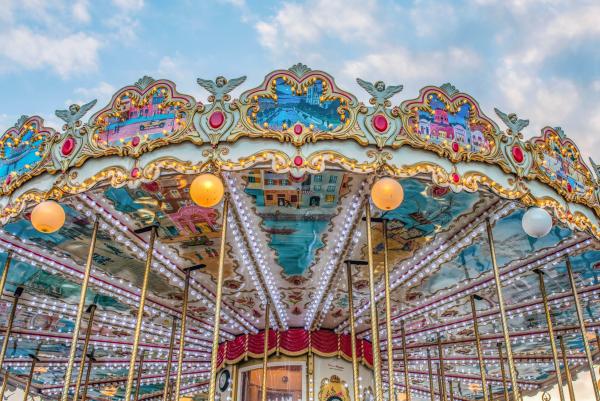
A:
<point x="207" y="190"/>
<point x="48" y="217"/>
<point x="537" y="222"/>
<point x="387" y="193"/>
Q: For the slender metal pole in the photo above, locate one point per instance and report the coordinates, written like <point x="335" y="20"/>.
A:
<point x="138" y="382"/>
<point x="388" y="314"/>
<point x="561" y="392"/>
<point x="502" y="372"/>
<point x="180" y="355"/>
<point x="169" y="360"/>
<point x="586" y="344"/>
<point x="80" y="309"/>
<point x="29" y="378"/>
<point x="88" y="333"/>
<point x="5" y="272"/>
<point x="479" y="350"/>
<point x="440" y="384"/>
<point x="87" y="378"/>
<point x="9" y="324"/>
<point x="217" y="323"/>
<point x="496" y="270"/>
<point x="234" y="377"/>
<point x="4" y="384"/>
<point x="441" y="365"/>
<point x="355" y="373"/>
<point x="265" y="352"/>
<point x="451" y="390"/>
<point x="374" y="320"/>
<point x="431" y="391"/>
<point x="566" y="367"/>
<point x="490" y="392"/>
<point x="405" y="358"/>
<point x="140" y="314"/>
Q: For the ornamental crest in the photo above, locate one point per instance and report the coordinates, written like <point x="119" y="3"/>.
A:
<point x="449" y="123"/>
<point x="298" y="106"/>
<point x="141" y="118"/>
<point x="333" y="389"/>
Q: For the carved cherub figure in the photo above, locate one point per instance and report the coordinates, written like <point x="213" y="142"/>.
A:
<point x="220" y="87"/>
<point x="74" y="113"/>
<point x="379" y="92"/>
<point x="514" y="124"/>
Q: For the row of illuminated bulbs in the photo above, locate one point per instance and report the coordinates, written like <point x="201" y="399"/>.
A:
<point x="207" y="190"/>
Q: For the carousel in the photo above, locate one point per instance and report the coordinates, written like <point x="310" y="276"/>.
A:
<point x="295" y="244"/>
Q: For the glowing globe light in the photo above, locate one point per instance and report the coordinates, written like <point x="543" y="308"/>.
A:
<point x="537" y="222"/>
<point x="48" y="217"/>
<point x="207" y="190"/>
<point x="387" y="193"/>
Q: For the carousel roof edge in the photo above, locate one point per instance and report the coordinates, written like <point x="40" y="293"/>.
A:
<point x="297" y="120"/>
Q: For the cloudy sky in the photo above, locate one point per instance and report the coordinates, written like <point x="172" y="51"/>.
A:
<point x="539" y="58"/>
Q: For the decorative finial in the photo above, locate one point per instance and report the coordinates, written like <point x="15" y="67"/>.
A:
<point x="560" y="132"/>
<point x="220" y="87"/>
<point x="21" y="121"/>
<point x="379" y="92"/>
<point x="144" y="82"/>
<point x="74" y="113"/>
<point x="449" y="89"/>
<point x="514" y="124"/>
<point x="299" y="69"/>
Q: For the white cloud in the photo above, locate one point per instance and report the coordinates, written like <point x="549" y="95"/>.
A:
<point x="301" y="25"/>
<point x="67" y="55"/>
<point x="129" y="5"/>
<point x="433" y="18"/>
<point x="103" y="92"/>
<point x="80" y="11"/>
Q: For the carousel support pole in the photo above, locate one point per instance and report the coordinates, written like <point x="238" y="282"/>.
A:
<point x="9" y="324"/>
<point x="234" y="379"/>
<point x="561" y="393"/>
<point x="5" y="272"/>
<point x="442" y="373"/>
<point x="169" y="361"/>
<point x="138" y="382"/>
<point x="91" y="361"/>
<point x="431" y="391"/>
<point x="140" y="313"/>
<point x="586" y="345"/>
<point x="80" y="309"/>
<point x="184" y="308"/>
<point x="496" y="270"/>
<point x="474" y="297"/>
<point x="88" y="332"/>
<point x="451" y="390"/>
<point x="4" y="384"/>
<point x="388" y="307"/>
<point x="490" y="392"/>
<point x="441" y="386"/>
<point x="405" y="358"/>
<point x="563" y="352"/>
<point x="374" y="320"/>
<point x="502" y="372"/>
<point x="34" y="359"/>
<point x="215" y="344"/>
<point x="355" y="373"/>
<point x="265" y="352"/>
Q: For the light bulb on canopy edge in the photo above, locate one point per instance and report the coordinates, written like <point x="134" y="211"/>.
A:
<point x="207" y="190"/>
<point x="537" y="222"/>
<point x="48" y="217"/>
<point x="387" y="193"/>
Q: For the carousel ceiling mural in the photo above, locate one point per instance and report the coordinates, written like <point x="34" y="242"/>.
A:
<point x="298" y="158"/>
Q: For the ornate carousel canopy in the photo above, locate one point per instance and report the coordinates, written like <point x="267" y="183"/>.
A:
<point x="300" y="162"/>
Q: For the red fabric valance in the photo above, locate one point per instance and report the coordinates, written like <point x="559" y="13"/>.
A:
<point x="294" y="342"/>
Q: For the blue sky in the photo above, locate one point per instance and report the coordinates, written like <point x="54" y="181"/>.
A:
<point x="539" y="58"/>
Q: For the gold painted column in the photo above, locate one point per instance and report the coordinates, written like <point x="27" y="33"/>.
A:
<point x="506" y="335"/>
<point x="80" y="308"/>
<point x="442" y="372"/>
<point x="9" y="324"/>
<point x="140" y="313"/>
<point x="4" y="384"/>
<point x="355" y="374"/>
<point x="169" y="360"/>
<point x="586" y="344"/>
<point x="5" y="272"/>
<point x="373" y="305"/>
<point x="405" y="358"/>
<point x="88" y="332"/>
<point x="561" y="393"/>
<point x="217" y="323"/>
<point x="473" y="297"/>
<point x="265" y="352"/>
<point x="451" y="390"/>
<point x="431" y="391"/>
<point x="234" y="382"/>
<point x="138" y="382"/>
<point x="563" y="352"/>
<point x="502" y="371"/>
<point x="34" y="359"/>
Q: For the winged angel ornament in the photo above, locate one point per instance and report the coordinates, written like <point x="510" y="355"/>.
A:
<point x="74" y="113"/>
<point x="514" y="124"/>
<point x="220" y="87"/>
<point x="379" y="91"/>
